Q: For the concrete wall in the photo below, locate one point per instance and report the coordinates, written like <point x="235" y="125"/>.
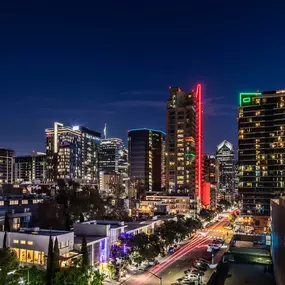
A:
<point x="91" y="229"/>
<point x="40" y="242"/>
<point x="278" y="240"/>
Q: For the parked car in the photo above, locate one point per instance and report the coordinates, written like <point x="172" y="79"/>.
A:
<point x="152" y="263"/>
<point x="228" y="227"/>
<point x="200" y="266"/>
<point x="197" y="272"/>
<point x="204" y="260"/>
<point x="213" y="247"/>
<point x="183" y="281"/>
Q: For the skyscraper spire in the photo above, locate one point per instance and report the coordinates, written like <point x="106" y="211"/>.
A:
<point x="105" y="131"/>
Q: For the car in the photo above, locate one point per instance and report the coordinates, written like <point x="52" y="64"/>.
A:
<point x="154" y="262"/>
<point x="184" y="281"/>
<point x="228" y="227"/>
<point x="171" y="249"/>
<point x="204" y="260"/>
<point x="218" y="241"/>
<point x="197" y="272"/>
<point x="214" y="246"/>
<point x="201" y="262"/>
<point x="193" y="277"/>
<point x="200" y="266"/>
<point x="220" y="217"/>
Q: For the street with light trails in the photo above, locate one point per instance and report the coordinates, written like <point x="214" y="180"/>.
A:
<point x="173" y="266"/>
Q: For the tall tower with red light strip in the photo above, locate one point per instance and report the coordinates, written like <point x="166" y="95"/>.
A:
<point x="199" y="143"/>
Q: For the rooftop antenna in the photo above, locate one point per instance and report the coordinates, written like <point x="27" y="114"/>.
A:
<point x="105" y="131"/>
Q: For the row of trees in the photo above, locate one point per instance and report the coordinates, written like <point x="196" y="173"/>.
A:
<point x="79" y="272"/>
<point x="72" y="202"/>
<point x="136" y="249"/>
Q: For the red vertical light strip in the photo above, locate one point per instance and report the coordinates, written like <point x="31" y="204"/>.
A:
<point x="199" y="141"/>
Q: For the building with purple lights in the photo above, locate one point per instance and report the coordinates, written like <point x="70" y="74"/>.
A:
<point x="72" y="154"/>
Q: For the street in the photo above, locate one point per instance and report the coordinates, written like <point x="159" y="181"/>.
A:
<point x="173" y="266"/>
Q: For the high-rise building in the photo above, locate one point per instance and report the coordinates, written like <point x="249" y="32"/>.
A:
<point x="261" y="126"/>
<point x="180" y="141"/>
<point x="210" y="169"/>
<point x="30" y="167"/>
<point x="184" y="142"/>
<point x="72" y="153"/>
<point x="6" y="165"/>
<point x="226" y="182"/>
<point x="146" y="157"/>
<point x="112" y="155"/>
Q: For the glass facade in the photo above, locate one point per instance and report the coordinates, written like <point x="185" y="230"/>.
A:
<point x="261" y="126"/>
<point x="30" y="167"/>
<point x="6" y="165"/>
<point x="226" y="181"/>
<point x="30" y="256"/>
<point x="112" y="156"/>
<point x="146" y="157"/>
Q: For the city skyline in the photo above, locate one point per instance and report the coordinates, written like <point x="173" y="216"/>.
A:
<point x="83" y="70"/>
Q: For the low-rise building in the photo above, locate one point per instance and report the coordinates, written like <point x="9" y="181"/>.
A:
<point x="176" y="204"/>
<point x="31" y="244"/>
<point x="100" y="236"/>
<point x="19" y="208"/>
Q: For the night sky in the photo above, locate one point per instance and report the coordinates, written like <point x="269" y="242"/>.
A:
<point x="91" y="62"/>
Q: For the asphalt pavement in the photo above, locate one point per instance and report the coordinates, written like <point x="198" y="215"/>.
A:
<point x="173" y="266"/>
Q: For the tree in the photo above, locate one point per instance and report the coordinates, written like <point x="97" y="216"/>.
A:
<point x="146" y="248"/>
<point x="5" y="240"/>
<point x="81" y="219"/>
<point x="84" y="251"/>
<point x="55" y="259"/>
<point x="49" y="271"/>
<point x="68" y="222"/>
<point x="168" y="232"/>
<point x="6" y="223"/>
<point x="28" y="275"/>
<point x="224" y="203"/>
<point x="8" y="263"/>
<point x="206" y="214"/>
<point x="111" y="268"/>
<point x="75" y="275"/>
<point x="121" y="251"/>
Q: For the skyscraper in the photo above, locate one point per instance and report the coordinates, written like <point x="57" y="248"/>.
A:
<point x="30" y="167"/>
<point x="210" y="169"/>
<point x="90" y="145"/>
<point x="146" y="157"/>
<point x="72" y="153"/>
<point x="184" y="141"/>
<point x="261" y="126"/>
<point x="6" y="165"/>
<point x="112" y="155"/>
<point x="225" y="156"/>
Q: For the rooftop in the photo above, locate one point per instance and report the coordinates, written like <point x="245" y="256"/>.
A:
<point x="147" y="129"/>
<point x="249" y="274"/>
<point x="42" y="232"/>
<point x="89" y="239"/>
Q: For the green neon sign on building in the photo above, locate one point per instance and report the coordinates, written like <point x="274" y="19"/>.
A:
<point x="246" y="98"/>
